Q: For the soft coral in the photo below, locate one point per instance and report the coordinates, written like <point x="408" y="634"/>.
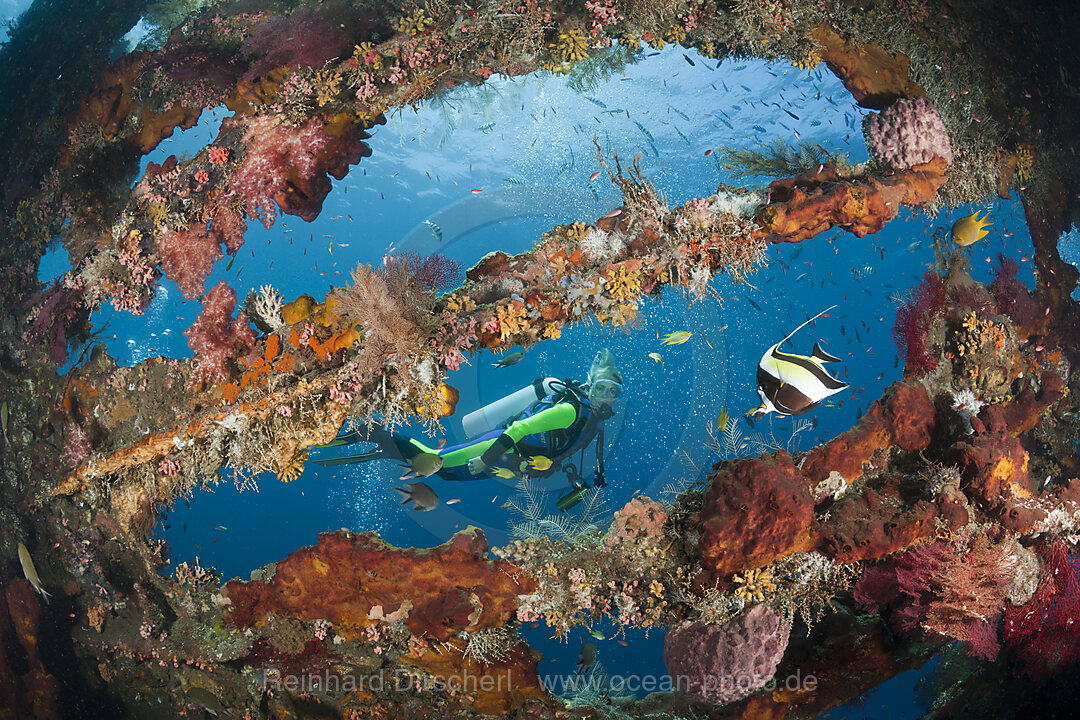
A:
<point x="215" y="336"/>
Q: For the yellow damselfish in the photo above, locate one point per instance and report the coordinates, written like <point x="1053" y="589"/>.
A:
<point x="721" y="420"/>
<point x="676" y="338"/>
<point x="970" y="229"/>
<point x="539" y="462"/>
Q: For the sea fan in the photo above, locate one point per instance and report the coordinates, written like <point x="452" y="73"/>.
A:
<point x="914" y="322"/>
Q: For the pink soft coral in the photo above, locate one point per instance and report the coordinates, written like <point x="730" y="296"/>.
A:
<point x="215" y="336"/>
<point x="944" y="590"/>
<point x="188" y="256"/>
<point x="57" y="314"/>
<point x="908" y="132"/>
<point x="279" y="156"/>
<point x="302" y="39"/>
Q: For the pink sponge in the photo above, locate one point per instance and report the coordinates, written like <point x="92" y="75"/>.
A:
<point x="724" y="663"/>
<point x="908" y="132"/>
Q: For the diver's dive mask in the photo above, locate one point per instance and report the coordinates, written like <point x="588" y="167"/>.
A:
<point x="605" y="389"/>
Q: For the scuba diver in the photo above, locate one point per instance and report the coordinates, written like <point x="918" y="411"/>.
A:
<point x="534" y="431"/>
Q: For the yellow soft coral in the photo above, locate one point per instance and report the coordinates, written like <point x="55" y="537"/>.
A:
<point x="511" y="319"/>
<point x="457" y="304"/>
<point x="552" y="331"/>
<point x="621" y="314"/>
<point x="366" y="54"/>
<point x="624" y="283"/>
<point x="415" y="24"/>
<point x="754" y="584"/>
<point x="1024" y="161"/>
<point x="327" y="86"/>
<point x="556" y="68"/>
<point x="576" y="231"/>
<point x="811" y="61"/>
<point x="294" y="469"/>
<point x="570" y="47"/>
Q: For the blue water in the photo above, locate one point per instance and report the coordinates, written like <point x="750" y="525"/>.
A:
<point x="528" y="144"/>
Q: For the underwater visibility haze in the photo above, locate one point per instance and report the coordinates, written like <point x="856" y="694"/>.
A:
<point x="530" y="359"/>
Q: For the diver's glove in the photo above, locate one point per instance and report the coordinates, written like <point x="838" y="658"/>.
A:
<point x="477" y="466"/>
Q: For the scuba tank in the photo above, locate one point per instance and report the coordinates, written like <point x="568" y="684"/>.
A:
<point x="496" y="413"/>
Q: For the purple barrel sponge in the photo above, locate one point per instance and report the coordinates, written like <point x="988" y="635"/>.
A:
<point x="724" y="663"/>
<point x="907" y="133"/>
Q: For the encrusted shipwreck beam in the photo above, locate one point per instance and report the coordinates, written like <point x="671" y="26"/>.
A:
<point x="359" y="583"/>
<point x="646" y="246"/>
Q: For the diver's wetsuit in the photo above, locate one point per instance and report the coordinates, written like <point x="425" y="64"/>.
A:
<point x="550" y="428"/>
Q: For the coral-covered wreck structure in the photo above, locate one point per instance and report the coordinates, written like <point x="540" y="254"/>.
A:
<point x="944" y="521"/>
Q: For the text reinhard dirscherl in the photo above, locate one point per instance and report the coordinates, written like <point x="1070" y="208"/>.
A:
<point x="403" y="680"/>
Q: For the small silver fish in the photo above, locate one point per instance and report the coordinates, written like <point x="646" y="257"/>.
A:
<point x="422" y="496"/>
<point x="31" y="572"/>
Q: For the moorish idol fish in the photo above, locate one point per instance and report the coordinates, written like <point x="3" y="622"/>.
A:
<point x="790" y="384"/>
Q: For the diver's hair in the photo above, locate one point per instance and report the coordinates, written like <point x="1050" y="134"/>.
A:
<point x="604" y="368"/>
